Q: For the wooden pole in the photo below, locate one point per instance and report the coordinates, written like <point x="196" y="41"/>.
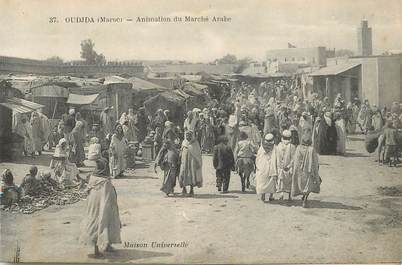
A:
<point x="117" y="106"/>
<point x="54" y="110"/>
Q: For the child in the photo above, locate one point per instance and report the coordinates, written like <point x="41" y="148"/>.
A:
<point x="168" y="160"/>
<point x="10" y="192"/>
<point x="94" y="149"/>
<point x="245" y="159"/>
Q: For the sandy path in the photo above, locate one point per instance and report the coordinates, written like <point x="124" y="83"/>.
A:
<point x="347" y="222"/>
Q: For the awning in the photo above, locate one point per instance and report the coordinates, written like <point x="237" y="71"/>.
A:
<point x="75" y="99"/>
<point x="334" y="69"/>
<point x="19" y="105"/>
<point x="141" y="84"/>
<point x="114" y="79"/>
<point x="50" y="90"/>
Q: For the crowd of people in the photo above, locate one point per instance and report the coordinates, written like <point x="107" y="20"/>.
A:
<point x="299" y="128"/>
<point x="271" y="135"/>
<point x="233" y="131"/>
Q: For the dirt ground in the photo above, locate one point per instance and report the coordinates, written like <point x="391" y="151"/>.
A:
<point x="349" y="221"/>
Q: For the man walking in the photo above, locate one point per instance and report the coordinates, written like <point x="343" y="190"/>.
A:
<point x="223" y="161"/>
<point x="245" y="159"/>
<point x="284" y="154"/>
<point x="266" y="173"/>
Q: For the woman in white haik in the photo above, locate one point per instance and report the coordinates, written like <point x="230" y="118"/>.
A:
<point x="266" y="173"/>
<point x="65" y="172"/>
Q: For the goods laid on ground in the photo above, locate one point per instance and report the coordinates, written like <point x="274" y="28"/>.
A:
<point x="49" y="193"/>
<point x="395" y="191"/>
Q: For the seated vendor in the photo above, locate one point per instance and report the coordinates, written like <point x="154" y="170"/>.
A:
<point x="30" y="184"/>
<point x="10" y="193"/>
<point x="65" y="171"/>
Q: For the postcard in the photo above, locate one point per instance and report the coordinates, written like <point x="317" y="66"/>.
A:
<point x="189" y="132"/>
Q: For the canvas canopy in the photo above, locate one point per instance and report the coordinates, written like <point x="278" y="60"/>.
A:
<point x="18" y="105"/>
<point x="141" y="84"/>
<point x="176" y="101"/>
<point x="114" y="79"/>
<point x="334" y="69"/>
<point x="75" y="99"/>
<point x="50" y="91"/>
<point x="88" y="90"/>
<point x="194" y="89"/>
<point x="169" y="100"/>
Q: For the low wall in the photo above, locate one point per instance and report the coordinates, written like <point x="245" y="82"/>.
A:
<point x="17" y="65"/>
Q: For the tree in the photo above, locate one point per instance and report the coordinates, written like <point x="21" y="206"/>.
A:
<point x="242" y="64"/>
<point x="89" y="54"/>
<point x="54" y="60"/>
<point x="227" y="59"/>
<point x="100" y="59"/>
<point x="343" y="53"/>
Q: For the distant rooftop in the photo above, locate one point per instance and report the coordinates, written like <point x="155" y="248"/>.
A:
<point x="193" y="68"/>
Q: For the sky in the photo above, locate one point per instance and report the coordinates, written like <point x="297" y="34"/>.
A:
<point x="255" y="27"/>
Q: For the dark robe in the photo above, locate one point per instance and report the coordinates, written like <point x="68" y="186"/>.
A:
<point x="168" y="161"/>
<point x="223" y="162"/>
<point x="70" y="123"/>
<point x="169" y="134"/>
<point x="141" y="125"/>
<point x="326" y="138"/>
<point x="232" y="133"/>
<point x="223" y="157"/>
<point x="295" y="136"/>
<point x="269" y="124"/>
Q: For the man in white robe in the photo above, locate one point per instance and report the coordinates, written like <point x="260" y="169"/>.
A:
<point x="23" y="128"/>
<point x="106" y="120"/>
<point x="305" y="124"/>
<point x="266" y="172"/>
<point x="45" y="126"/>
<point x="37" y="134"/>
<point x="284" y="161"/>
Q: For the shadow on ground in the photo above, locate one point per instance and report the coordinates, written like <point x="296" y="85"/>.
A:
<point x="133" y="176"/>
<point x="214" y="196"/>
<point x="316" y="204"/>
<point x="356" y="155"/>
<point x="242" y="192"/>
<point x="351" y="138"/>
<point x="42" y="160"/>
<point x="331" y="205"/>
<point x="126" y="255"/>
<point x="142" y="165"/>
